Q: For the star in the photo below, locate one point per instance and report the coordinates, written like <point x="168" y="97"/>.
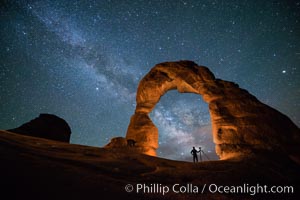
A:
<point x="89" y="56"/>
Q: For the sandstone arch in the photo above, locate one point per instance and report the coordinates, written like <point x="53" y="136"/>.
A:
<point x="241" y="123"/>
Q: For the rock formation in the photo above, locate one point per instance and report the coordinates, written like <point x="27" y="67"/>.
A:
<point x="241" y="124"/>
<point x="117" y="142"/>
<point x="46" y="126"/>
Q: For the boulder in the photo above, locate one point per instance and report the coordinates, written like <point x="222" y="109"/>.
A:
<point x="117" y="142"/>
<point x="46" y="126"/>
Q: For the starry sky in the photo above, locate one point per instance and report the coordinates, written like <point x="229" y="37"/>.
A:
<point x="82" y="61"/>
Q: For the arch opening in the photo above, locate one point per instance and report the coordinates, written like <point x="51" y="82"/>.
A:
<point x="236" y="115"/>
<point x="183" y="121"/>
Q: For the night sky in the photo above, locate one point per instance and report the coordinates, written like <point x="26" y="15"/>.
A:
<point x="82" y="61"/>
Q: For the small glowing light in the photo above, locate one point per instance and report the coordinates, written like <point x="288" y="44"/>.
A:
<point x="283" y="71"/>
<point x="97" y="88"/>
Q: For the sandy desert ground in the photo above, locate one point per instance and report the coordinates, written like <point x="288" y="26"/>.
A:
<point x="35" y="168"/>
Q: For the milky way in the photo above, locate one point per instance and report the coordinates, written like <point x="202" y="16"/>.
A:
<point x="82" y="61"/>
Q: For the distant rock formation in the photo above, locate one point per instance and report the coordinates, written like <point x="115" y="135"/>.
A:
<point x="241" y="124"/>
<point x="46" y="126"/>
<point x="117" y="142"/>
<point x="121" y="142"/>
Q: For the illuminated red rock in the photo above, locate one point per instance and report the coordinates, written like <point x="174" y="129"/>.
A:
<point x="241" y="124"/>
<point x="117" y="142"/>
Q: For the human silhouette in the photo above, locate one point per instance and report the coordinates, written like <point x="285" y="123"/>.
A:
<point x="194" y="153"/>
<point x="202" y="152"/>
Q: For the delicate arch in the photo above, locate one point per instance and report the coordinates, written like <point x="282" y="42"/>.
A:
<point x="240" y="122"/>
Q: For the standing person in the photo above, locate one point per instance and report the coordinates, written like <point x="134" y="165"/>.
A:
<point x="194" y="153"/>
<point x="200" y="151"/>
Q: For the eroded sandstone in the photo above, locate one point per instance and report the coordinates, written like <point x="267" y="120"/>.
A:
<point x="241" y="123"/>
<point x="46" y="126"/>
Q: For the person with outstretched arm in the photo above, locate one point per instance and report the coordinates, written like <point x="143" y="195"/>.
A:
<point x="195" y="156"/>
